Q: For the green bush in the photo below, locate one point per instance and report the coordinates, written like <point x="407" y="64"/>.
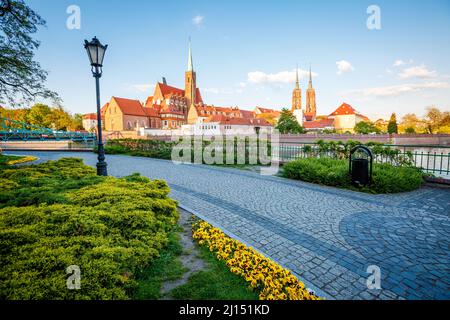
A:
<point x="334" y="172"/>
<point x="111" y="228"/>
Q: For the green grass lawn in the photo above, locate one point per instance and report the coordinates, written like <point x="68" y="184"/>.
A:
<point x="166" y="268"/>
<point x="217" y="282"/>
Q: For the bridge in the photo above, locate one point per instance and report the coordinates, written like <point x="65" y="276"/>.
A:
<point x="14" y="130"/>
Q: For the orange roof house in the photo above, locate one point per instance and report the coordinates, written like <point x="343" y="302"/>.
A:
<point x="128" y="114"/>
<point x="319" y="125"/>
<point x="346" y="117"/>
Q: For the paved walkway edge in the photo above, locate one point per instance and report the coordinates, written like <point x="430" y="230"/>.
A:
<point x="308" y="285"/>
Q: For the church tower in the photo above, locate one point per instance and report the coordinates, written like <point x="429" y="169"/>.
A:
<point x="311" y="108"/>
<point x="297" y="101"/>
<point x="190" y="83"/>
<point x="297" y="95"/>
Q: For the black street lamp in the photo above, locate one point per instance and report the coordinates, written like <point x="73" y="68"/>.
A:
<point x="96" y="53"/>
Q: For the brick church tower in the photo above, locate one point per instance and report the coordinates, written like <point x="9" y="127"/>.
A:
<point x="190" y="83"/>
<point x="311" y="109"/>
<point x="297" y="95"/>
<point x="297" y="101"/>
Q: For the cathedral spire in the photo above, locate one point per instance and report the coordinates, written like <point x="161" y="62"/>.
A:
<point x="190" y="64"/>
<point x="310" y="77"/>
<point x="297" y="84"/>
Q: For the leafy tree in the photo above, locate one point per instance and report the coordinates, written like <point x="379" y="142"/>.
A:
<point x="410" y="130"/>
<point x="366" y="127"/>
<point x="60" y="119"/>
<point x="392" y="125"/>
<point x="288" y="123"/>
<point x="40" y="115"/>
<point x="437" y="121"/>
<point x="21" y="78"/>
<point x="77" y="122"/>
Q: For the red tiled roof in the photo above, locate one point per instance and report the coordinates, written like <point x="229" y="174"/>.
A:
<point x="238" y="121"/>
<point x="103" y="109"/>
<point x="247" y="114"/>
<point x="90" y="116"/>
<point x="151" y="112"/>
<point x="363" y="116"/>
<point x="318" y="124"/>
<point x="149" y="101"/>
<point x="130" y="106"/>
<point x="166" y="89"/>
<point x="267" y="110"/>
<point x="344" y="109"/>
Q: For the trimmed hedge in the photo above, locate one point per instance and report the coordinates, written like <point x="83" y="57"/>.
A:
<point x="59" y="213"/>
<point x="334" y="172"/>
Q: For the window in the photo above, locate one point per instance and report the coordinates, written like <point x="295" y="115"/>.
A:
<point x="128" y="125"/>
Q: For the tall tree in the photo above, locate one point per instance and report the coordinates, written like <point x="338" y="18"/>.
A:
<point x="40" y="115"/>
<point x="21" y="78"/>
<point x="288" y="123"/>
<point x="77" y="122"/>
<point x="366" y="127"/>
<point x="392" y="125"/>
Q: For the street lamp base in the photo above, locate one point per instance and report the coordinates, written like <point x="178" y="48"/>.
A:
<point x="101" y="169"/>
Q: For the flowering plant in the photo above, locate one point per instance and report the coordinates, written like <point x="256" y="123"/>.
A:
<point x="271" y="280"/>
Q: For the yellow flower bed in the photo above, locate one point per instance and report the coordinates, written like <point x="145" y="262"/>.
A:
<point x="274" y="282"/>
<point x="21" y="160"/>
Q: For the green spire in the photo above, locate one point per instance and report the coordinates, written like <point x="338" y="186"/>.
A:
<point x="190" y="64"/>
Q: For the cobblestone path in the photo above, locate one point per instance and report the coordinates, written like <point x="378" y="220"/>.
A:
<point x="327" y="237"/>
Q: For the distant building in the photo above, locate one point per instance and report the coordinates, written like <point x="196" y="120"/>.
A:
<point x="297" y="100"/>
<point x="311" y="108"/>
<point x="346" y="117"/>
<point x="127" y="114"/>
<point x="319" y="125"/>
<point x="223" y="125"/>
<point x="171" y="108"/>
<point x="90" y="122"/>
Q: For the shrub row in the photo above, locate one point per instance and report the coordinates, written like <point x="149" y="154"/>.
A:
<point x="163" y="150"/>
<point x="334" y="172"/>
<point x="59" y="214"/>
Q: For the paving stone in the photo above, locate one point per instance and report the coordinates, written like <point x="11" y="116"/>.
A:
<point x="328" y="235"/>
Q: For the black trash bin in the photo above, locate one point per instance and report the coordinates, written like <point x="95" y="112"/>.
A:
<point x="360" y="169"/>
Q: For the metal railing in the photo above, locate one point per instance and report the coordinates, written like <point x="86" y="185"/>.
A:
<point x="430" y="158"/>
<point x="13" y="130"/>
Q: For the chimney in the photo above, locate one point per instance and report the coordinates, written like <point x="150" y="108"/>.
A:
<point x="164" y="80"/>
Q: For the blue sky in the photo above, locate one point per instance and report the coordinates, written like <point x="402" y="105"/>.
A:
<point x="245" y="52"/>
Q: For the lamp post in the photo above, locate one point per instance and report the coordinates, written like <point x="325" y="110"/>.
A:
<point x="96" y="53"/>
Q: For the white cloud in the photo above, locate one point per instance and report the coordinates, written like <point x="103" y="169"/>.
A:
<point x="421" y="72"/>
<point x="198" y="20"/>
<point x="260" y="77"/>
<point x="344" y="67"/>
<point x="142" y="87"/>
<point x="399" y="63"/>
<point x="390" y="91"/>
